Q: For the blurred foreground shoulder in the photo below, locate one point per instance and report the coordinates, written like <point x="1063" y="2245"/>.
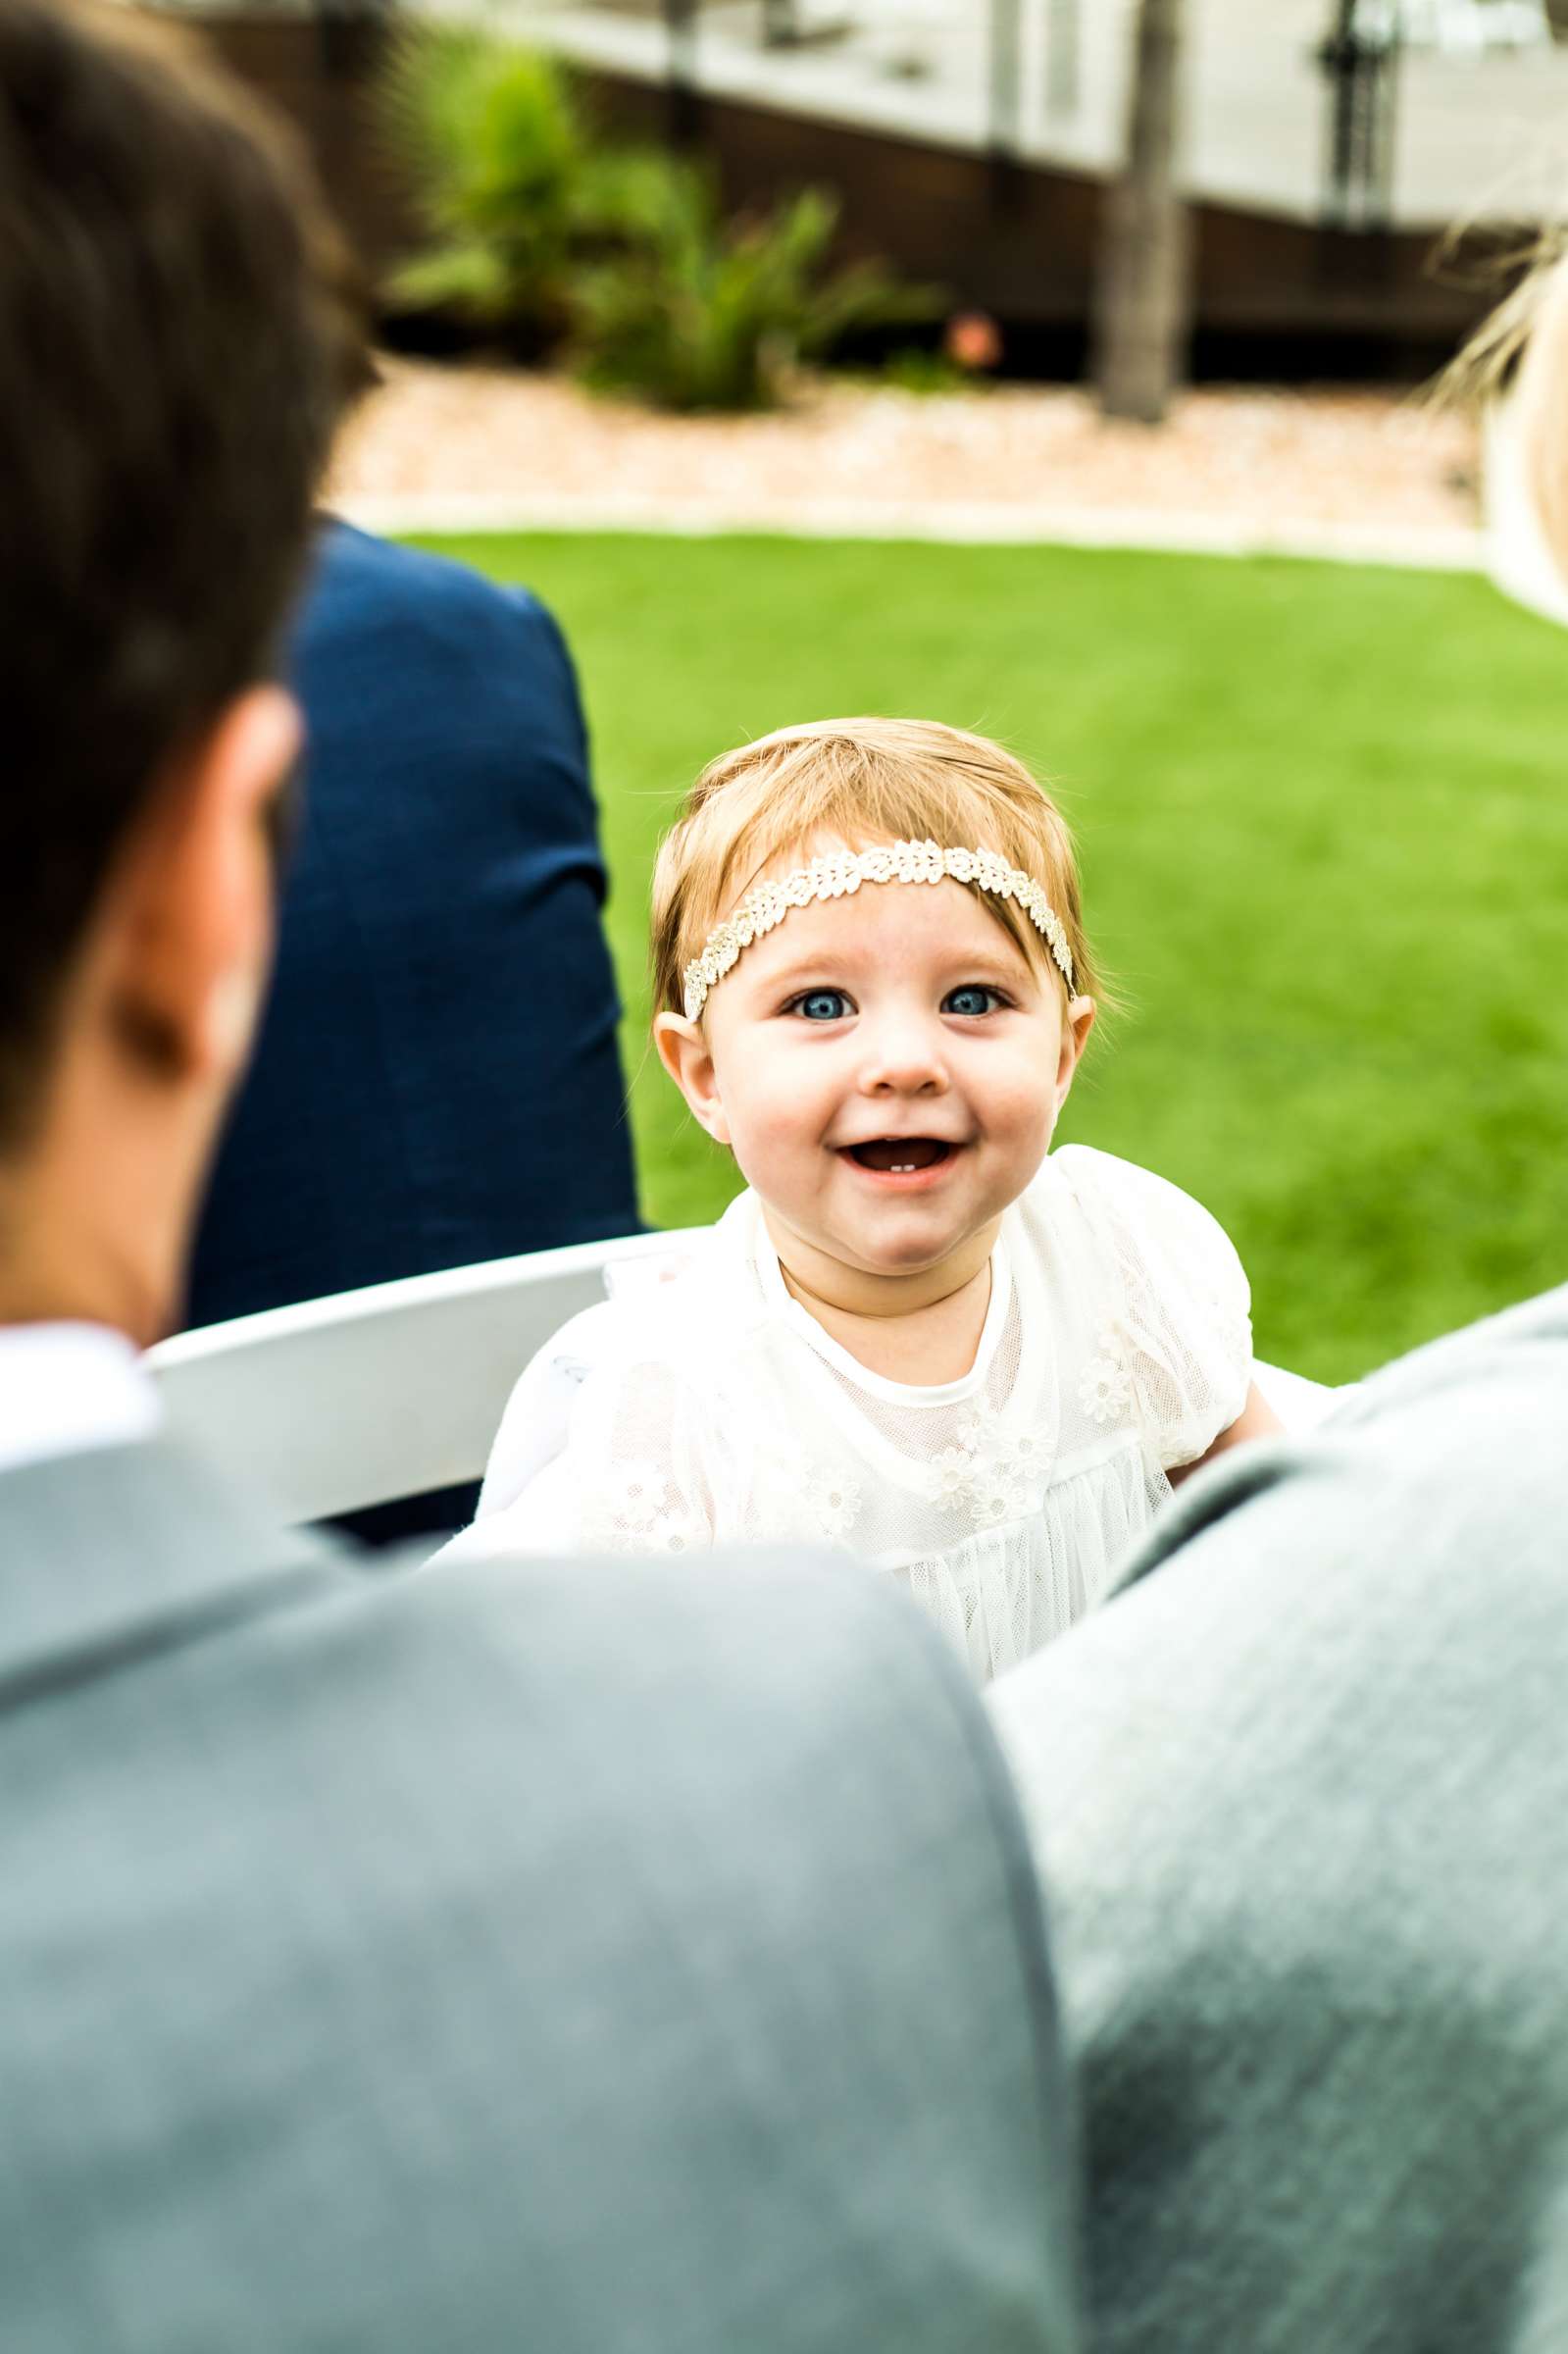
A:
<point x="791" y="1892"/>
<point x="1300" y="1797"/>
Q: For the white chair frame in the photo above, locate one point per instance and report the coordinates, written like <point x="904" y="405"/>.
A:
<point x="398" y="1388"/>
<point x="392" y="1391"/>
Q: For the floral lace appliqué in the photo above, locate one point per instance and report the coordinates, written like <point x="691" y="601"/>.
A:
<point x="996" y="1498"/>
<point x="636" y="1496"/>
<point x="641" y="1513"/>
<point x="991" y="1476"/>
<point x="672" y="1532"/>
<point x="1104" y="1388"/>
<point x="1027" y="1455"/>
<point x="951" y="1474"/>
<point x="835" y="1505"/>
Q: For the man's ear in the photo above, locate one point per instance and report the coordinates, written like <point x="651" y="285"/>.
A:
<point x="1076" y="1027"/>
<point x="192" y="900"/>
<point x="686" y="1055"/>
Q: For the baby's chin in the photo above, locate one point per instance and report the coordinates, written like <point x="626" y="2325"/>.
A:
<point x="896" y="1265"/>
<point x="911" y="1260"/>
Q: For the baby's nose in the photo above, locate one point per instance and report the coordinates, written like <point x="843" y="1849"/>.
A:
<point x="903" y="1058"/>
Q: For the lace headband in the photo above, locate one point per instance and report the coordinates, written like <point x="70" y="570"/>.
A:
<point x="762" y="910"/>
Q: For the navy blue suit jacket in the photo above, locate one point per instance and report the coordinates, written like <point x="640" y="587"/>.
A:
<point x="437" y="1079"/>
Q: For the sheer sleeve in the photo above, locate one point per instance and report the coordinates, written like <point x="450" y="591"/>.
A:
<point x="537" y="1420"/>
<point x="645" y="1444"/>
<point x="604" y="1447"/>
<point x="1181" y="1322"/>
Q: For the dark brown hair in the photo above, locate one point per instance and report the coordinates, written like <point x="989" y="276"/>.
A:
<point x="178" y="334"/>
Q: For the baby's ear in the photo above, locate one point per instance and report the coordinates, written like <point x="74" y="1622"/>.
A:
<point x="686" y="1054"/>
<point x="1078" y="1022"/>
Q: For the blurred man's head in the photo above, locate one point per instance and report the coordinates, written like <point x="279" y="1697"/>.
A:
<point x="176" y="345"/>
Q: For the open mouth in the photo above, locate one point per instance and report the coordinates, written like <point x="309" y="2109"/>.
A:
<point x="900" y="1155"/>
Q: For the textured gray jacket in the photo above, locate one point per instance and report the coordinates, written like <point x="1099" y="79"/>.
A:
<point x="584" y="1958"/>
<point x="1300" y="1794"/>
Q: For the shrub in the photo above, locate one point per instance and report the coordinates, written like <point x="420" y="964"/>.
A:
<point x="623" y="255"/>
<point x="701" y="313"/>
<point x="494" y="144"/>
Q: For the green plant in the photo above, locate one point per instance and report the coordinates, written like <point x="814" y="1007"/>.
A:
<point x="702" y="313"/>
<point x="931" y="373"/>
<point x="496" y="152"/>
<point x="538" y="228"/>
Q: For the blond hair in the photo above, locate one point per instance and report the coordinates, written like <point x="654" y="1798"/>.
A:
<point x="858" y="782"/>
<point x="1523" y="343"/>
<point x="1543" y="412"/>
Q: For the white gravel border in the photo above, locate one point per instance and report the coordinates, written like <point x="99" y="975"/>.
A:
<point x="1426" y="549"/>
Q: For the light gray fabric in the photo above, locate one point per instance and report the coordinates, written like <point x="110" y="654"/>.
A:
<point x="1300" y="1794"/>
<point x="566" y="1958"/>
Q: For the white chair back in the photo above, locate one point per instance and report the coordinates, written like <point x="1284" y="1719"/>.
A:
<point x="398" y="1388"/>
<point x="392" y="1391"/>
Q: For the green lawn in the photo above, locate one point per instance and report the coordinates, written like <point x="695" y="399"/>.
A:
<point x="1325" y="831"/>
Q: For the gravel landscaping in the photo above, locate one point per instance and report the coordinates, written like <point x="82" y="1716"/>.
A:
<point x="1357" y="462"/>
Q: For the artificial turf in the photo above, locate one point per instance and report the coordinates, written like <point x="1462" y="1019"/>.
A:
<point x="1323" y="813"/>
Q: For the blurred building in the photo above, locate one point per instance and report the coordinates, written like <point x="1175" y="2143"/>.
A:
<point x="1328" y="142"/>
<point x="1482" y="98"/>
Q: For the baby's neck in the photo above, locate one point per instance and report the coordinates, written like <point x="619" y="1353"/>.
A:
<point x="923" y="1329"/>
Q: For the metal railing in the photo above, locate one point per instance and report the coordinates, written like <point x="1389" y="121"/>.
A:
<point x="1363" y="113"/>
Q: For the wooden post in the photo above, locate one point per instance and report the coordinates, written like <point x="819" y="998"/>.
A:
<point x="681" y="107"/>
<point x="1142" y="291"/>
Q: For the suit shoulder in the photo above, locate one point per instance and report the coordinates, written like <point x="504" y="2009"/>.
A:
<point x="414" y="585"/>
<point x="720" y="1644"/>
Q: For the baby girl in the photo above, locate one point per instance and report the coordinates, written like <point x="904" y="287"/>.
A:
<point x="918" y="1333"/>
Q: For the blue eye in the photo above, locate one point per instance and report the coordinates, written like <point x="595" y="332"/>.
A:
<point x="820" y="1006"/>
<point x="972" y="999"/>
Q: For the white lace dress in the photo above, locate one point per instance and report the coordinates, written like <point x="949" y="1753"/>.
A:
<point x="709" y="1408"/>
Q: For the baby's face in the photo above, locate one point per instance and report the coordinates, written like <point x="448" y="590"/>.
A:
<point x="887" y="1070"/>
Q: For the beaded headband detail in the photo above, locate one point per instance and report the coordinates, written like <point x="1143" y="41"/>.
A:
<point x="762" y="910"/>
